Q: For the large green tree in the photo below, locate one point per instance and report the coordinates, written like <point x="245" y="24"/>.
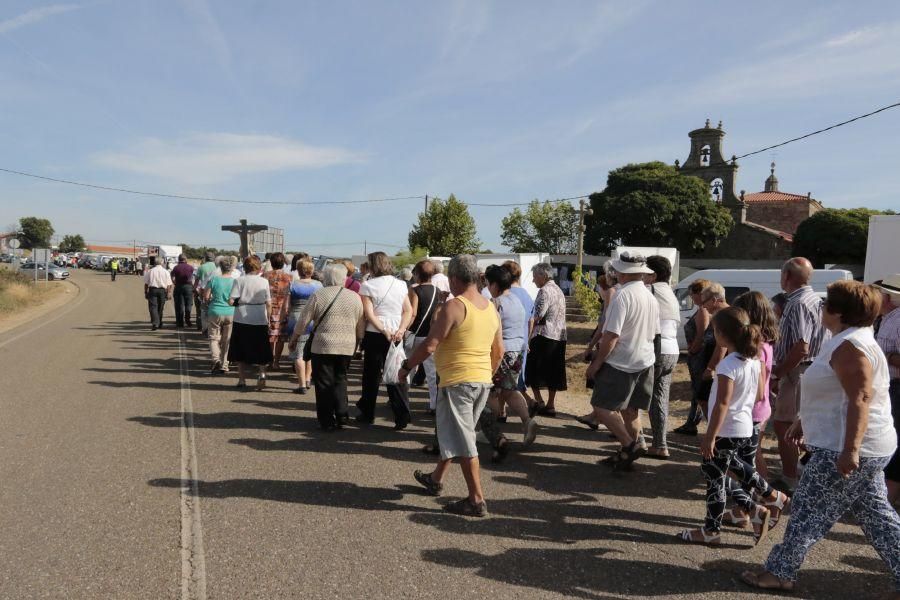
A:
<point x="542" y="227"/>
<point x="445" y="228"/>
<point x="72" y="243"/>
<point x="835" y="235"/>
<point x="652" y="204"/>
<point x="36" y="232"/>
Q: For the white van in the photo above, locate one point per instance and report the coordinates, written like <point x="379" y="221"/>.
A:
<point x="738" y="281"/>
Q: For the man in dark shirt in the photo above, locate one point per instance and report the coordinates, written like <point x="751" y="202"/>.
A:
<point x="183" y="278"/>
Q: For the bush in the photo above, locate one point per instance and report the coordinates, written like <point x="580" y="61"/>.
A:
<point x="586" y="296"/>
<point x="16" y="291"/>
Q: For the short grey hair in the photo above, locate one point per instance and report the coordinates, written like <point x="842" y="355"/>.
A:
<point x="438" y="266"/>
<point x="405" y="274"/>
<point x="464" y="267"/>
<point x="226" y="264"/>
<point x="543" y="269"/>
<point x="334" y="274"/>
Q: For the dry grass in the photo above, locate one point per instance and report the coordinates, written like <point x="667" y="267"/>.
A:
<point x="578" y="396"/>
<point x="18" y="291"/>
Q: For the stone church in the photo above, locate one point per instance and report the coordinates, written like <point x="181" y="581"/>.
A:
<point x="764" y="222"/>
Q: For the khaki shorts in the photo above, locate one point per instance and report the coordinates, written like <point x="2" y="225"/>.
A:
<point x="787" y="402"/>
<point x="617" y="390"/>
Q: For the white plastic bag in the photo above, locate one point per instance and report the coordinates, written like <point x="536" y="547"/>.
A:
<point x="392" y="362"/>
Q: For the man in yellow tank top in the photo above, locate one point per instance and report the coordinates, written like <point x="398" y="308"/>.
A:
<point x="467" y="344"/>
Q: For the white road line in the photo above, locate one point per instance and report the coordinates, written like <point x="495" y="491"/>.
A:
<point x="193" y="561"/>
<point x="82" y="296"/>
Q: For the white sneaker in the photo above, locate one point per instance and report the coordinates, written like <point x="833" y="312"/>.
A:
<point x="531" y="429"/>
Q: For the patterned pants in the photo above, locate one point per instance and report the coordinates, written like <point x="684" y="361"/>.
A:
<point x="726" y="458"/>
<point x="740" y="494"/>
<point x="822" y="497"/>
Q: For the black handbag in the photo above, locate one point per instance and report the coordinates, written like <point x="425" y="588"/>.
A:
<point x="307" y="347"/>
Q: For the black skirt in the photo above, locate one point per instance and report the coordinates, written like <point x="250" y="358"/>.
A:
<point x="546" y="364"/>
<point x="250" y="344"/>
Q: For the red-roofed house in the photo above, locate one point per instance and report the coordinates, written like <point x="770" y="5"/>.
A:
<point x="779" y="210"/>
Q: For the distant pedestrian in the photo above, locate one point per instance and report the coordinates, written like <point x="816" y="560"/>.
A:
<point x="440" y="280"/>
<point x="351" y="283"/>
<point x="888" y="337"/>
<point x="202" y="277"/>
<point x="183" y="277"/>
<point x="252" y="301"/>
<point x="220" y="315"/>
<point x="339" y="326"/>
<point x="801" y="336"/>
<point x="113" y="268"/>
<point x="424" y="299"/>
<point x="280" y="287"/>
<point x="467" y="344"/>
<point x="666" y="350"/>
<point x="546" y="368"/>
<point x="157" y="289"/>
<point x="302" y="288"/>
<point x="622" y="367"/>
<point x="388" y="313"/>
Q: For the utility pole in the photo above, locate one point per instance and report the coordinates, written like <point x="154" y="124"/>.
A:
<point x="583" y="211"/>
<point x="426" y="202"/>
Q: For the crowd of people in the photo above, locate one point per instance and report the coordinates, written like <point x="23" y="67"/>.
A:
<point x="825" y="373"/>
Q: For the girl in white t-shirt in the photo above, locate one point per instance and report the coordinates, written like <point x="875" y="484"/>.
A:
<point x="736" y="388"/>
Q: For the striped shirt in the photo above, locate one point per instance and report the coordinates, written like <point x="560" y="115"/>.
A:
<point x="889" y="337"/>
<point x="801" y="322"/>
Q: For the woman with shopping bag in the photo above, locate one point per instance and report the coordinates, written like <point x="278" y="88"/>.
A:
<point x="388" y="313"/>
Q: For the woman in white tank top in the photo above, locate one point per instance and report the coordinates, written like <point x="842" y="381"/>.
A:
<point x="845" y="422"/>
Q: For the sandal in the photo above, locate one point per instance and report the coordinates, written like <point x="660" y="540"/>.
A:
<point x="760" y="523"/>
<point x="260" y="384"/>
<point x="431" y="486"/>
<point x="588" y="422"/>
<point x="628" y="455"/>
<point x="535" y="409"/>
<point x="547" y="412"/>
<point x="466" y="508"/>
<point x="500" y="451"/>
<point x="731" y="519"/>
<point x="752" y="579"/>
<point x="658" y="454"/>
<point x="690" y="536"/>
<point x="777" y="506"/>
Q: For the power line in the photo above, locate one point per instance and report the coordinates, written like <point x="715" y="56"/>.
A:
<point x="399" y="198"/>
<point x="200" y="198"/>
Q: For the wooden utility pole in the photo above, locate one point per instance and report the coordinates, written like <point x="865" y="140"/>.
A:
<point x="244" y="231"/>
<point x="583" y="211"/>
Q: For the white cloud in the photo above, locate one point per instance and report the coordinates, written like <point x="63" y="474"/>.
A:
<point x="210" y="32"/>
<point x="854" y="37"/>
<point x="216" y="157"/>
<point x="35" y="15"/>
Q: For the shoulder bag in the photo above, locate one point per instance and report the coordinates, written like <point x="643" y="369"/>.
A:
<point x="307" y="347"/>
<point x="411" y="337"/>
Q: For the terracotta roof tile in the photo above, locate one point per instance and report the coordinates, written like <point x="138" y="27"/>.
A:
<point x="774" y="197"/>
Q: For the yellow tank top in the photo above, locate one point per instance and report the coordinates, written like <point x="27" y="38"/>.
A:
<point x="465" y="354"/>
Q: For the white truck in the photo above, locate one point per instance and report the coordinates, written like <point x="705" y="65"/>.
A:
<point x="169" y="254"/>
<point x="883" y="249"/>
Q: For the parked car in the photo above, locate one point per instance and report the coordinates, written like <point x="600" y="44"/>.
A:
<point x="54" y="273"/>
<point x="6" y="258"/>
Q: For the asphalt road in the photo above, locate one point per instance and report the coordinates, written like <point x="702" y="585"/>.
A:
<point x="107" y="492"/>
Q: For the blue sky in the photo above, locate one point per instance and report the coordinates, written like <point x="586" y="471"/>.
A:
<point x="493" y="101"/>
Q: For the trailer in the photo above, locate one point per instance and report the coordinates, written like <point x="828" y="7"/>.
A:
<point x="883" y="248"/>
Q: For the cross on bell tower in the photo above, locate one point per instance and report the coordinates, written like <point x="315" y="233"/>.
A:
<point x="244" y="231"/>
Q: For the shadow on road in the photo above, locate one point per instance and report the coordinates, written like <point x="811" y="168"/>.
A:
<point x="315" y="493"/>
<point x="590" y="573"/>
